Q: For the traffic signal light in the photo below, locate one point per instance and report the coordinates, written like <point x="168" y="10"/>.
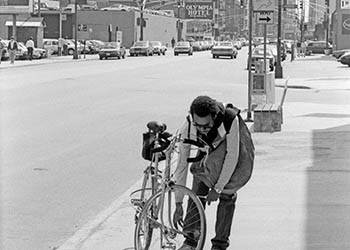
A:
<point x="327" y="2"/>
<point x="301" y="4"/>
<point x="242" y="3"/>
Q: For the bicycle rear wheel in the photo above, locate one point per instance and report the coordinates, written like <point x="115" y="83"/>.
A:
<point x="158" y="217"/>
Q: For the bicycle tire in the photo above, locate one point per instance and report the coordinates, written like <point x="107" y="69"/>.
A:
<point x="169" y="236"/>
<point x="148" y="177"/>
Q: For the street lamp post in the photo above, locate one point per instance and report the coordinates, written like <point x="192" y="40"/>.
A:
<point x="327" y="23"/>
<point x="279" y="70"/>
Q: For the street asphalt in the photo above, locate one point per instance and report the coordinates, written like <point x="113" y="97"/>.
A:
<point x="298" y="197"/>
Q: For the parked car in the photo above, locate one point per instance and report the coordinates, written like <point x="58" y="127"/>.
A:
<point x="112" y="49"/>
<point x="317" y="47"/>
<point x="5" y="54"/>
<point x="338" y="53"/>
<point x="39" y="53"/>
<point x="273" y="48"/>
<point x="183" y="47"/>
<point x="51" y="44"/>
<point x="259" y="40"/>
<point x="237" y="44"/>
<point x="258" y="54"/>
<point x="141" y="48"/>
<point x="243" y="41"/>
<point x="97" y="44"/>
<point x="224" y="49"/>
<point x="158" y="48"/>
<point x="117" y="7"/>
<point x="70" y="8"/>
<point x="197" y="46"/>
<point x="71" y="46"/>
<point x="22" y="52"/>
<point x="345" y="59"/>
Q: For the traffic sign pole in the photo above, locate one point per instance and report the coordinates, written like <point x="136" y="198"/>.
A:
<point x="279" y="69"/>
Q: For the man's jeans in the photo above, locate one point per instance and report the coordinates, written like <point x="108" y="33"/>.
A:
<point x="224" y="217"/>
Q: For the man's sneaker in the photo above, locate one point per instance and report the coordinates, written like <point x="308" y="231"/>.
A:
<point x="186" y="247"/>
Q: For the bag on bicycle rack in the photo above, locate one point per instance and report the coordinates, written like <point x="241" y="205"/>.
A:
<point x="148" y="145"/>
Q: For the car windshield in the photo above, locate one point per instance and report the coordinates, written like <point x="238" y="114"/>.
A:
<point x="111" y="45"/>
<point x="141" y="44"/>
<point x="183" y="44"/>
<point x="273" y="48"/>
<point x="155" y="43"/>
<point x="224" y="44"/>
<point x="260" y="52"/>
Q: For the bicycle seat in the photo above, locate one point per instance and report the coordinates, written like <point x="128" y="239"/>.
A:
<point x="156" y="126"/>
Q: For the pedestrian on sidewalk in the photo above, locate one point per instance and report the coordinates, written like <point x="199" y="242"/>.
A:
<point x="220" y="174"/>
<point x="173" y="42"/>
<point x="61" y="42"/>
<point x="30" y="48"/>
<point x="65" y="46"/>
<point x="2" y="46"/>
<point x="12" y="48"/>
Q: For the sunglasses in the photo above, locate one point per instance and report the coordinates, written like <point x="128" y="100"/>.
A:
<point x="203" y="126"/>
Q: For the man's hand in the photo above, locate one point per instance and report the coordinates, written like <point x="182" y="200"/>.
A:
<point x="212" y="196"/>
<point x="178" y="214"/>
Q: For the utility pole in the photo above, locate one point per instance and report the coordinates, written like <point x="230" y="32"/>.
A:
<point x="39" y="7"/>
<point x="250" y="31"/>
<point x="327" y="23"/>
<point x="75" y="55"/>
<point x="279" y="69"/>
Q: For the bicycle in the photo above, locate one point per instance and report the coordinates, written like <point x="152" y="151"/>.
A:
<point x="155" y="212"/>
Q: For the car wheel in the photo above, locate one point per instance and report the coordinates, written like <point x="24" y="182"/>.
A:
<point x="118" y="57"/>
<point x="101" y="57"/>
<point x="124" y="56"/>
<point x="231" y="56"/>
<point x="163" y="53"/>
<point x="271" y="68"/>
<point x="70" y="51"/>
<point x="214" y="56"/>
<point x="235" y="56"/>
<point x="175" y="54"/>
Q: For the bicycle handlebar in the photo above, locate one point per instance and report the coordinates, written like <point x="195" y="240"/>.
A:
<point x="165" y="142"/>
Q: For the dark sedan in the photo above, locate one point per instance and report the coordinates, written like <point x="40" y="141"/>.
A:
<point x="112" y="49"/>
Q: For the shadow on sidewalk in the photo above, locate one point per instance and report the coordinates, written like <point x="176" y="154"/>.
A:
<point x="319" y="58"/>
<point x="328" y="184"/>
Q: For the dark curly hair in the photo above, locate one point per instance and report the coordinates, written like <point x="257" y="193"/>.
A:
<point x="203" y="106"/>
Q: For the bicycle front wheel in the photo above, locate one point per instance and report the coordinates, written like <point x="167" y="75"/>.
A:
<point x="157" y="216"/>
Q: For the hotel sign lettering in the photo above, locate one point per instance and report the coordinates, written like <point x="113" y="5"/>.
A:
<point x="199" y="10"/>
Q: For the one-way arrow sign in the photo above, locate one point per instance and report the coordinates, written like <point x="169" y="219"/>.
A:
<point x="267" y="19"/>
<point x="264" y="17"/>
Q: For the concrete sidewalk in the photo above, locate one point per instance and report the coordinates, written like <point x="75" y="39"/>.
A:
<point x="49" y="60"/>
<point x="298" y="197"/>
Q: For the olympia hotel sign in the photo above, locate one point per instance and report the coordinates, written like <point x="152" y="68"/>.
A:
<point x="199" y="9"/>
